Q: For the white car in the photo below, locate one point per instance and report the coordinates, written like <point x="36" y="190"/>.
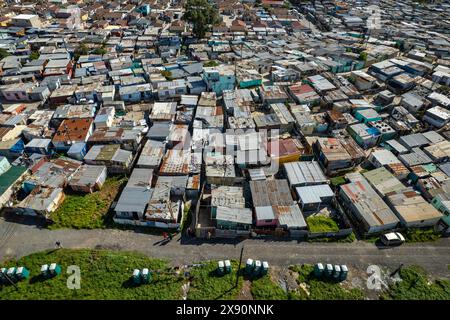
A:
<point x="392" y="239"/>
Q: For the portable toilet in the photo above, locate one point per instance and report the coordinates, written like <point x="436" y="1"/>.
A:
<point x="22" y="273"/>
<point x="344" y="272"/>
<point x="249" y="266"/>
<point x="145" y="275"/>
<point x="329" y="270"/>
<point x="318" y="270"/>
<point x="54" y="269"/>
<point x="265" y="268"/>
<point x="220" y="267"/>
<point x="137" y="276"/>
<point x="3" y="274"/>
<point x="257" y="269"/>
<point x="11" y="273"/>
<point x="337" y="272"/>
<point x="227" y="266"/>
<point x="44" y="270"/>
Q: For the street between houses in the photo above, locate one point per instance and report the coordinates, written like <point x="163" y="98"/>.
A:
<point x="18" y="240"/>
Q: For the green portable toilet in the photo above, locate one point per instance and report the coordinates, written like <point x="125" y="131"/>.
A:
<point x="344" y="272"/>
<point x="145" y="275"/>
<point x="257" y="269"/>
<point x="249" y="266"/>
<point x="54" y="269"/>
<point x="220" y="267"/>
<point x="11" y="273"/>
<point x="318" y="270"/>
<point x="136" y="276"/>
<point x="3" y="275"/>
<point x="227" y="266"/>
<point x="329" y="270"/>
<point x="22" y="273"/>
<point x="265" y="268"/>
<point x="337" y="272"/>
<point x="44" y="270"/>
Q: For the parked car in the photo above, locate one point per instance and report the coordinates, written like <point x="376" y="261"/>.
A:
<point x="392" y="239"/>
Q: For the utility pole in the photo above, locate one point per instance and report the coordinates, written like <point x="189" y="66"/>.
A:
<point x="239" y="268"/>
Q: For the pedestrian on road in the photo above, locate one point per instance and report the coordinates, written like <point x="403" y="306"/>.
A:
<point x="209" y="235"/>
<point x="165" y="235"/>
<point x="58" y="245"/>
<point x="170" y="236"/>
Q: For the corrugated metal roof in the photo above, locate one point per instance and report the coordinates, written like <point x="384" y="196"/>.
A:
<point x="366" y="202"/>
<point x="236" y="215"/>
<point x="290" y="217"/>
<point x="304" y="173"/>
<point x="271" y="193"/>
<point x="313" y="194"/>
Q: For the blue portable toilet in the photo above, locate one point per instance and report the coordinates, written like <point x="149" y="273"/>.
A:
<point x="54" y="269"/>
<point x="22" y="273"/>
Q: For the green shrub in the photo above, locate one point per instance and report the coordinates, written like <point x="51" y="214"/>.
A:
<point x="265" y="289"/>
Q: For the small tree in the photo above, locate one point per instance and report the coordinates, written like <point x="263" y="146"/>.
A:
<point x="363" y="56"/>
<point x="201" y="14"/>
<point x="167" y="74"/>
<point x="82" y="49"/>
<point x="100" y="51"/>
<point x="34" y="55"/>
<point x="4" y="54"/>
<point x="211" y="63"/>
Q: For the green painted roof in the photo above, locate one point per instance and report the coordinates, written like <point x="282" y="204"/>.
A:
<point x="10" y="177"/>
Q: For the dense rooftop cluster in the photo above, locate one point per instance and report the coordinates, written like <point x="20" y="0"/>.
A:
<point x="282" y="114"/>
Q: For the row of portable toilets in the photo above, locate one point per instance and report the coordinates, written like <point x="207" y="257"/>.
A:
<point x="21" y="273"/>
<point x="140" y="277"/>
<point x="13" y="274"/>
<point x="223" y="267"/>
<point x="256" y="268"/>
<point x="336" y="272"/>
